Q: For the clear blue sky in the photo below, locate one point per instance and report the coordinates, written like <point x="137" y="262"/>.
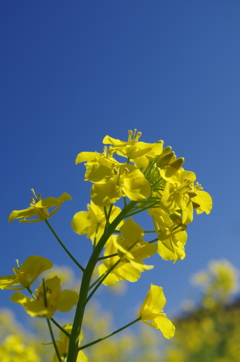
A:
<point x="72" y="72"/>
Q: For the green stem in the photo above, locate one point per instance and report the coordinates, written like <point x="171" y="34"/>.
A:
<point x="64" y="247"/>
<point x="101" y="280"/>
<point x="104" y="276"/>
<point x="86" y="280"/>
<point x="53" y="340"/>
<point x="107" y="256"/>
<point x="58" y="239"/>
<point x="59" y="327"/>
<point x="31" y="293"/>
<point x="96" y="281"/>
<point x="95" y="236"/>
<point x="109" y="335"/>
<point x="153" y="241"/>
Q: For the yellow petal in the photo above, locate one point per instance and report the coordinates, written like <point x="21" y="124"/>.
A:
<point x="81" y="222"/>
<point x="19" y="298"/>
<point x="205" y="202"/>
<point x="35" y="265"/>
<point x="136" y="187"/>
<point x="64" y="197"/>
<point x="81" y="357"/>
<point x="131" y="231"/>
<point x="7" y="281"/>
<point x="153" y="303"/>
<point x="17" y="214"/>
<point x="111" y="279"/>
<point x="67" y="300"/>
<point x="165" y="325"/>
<point x="87" y="156"/>
<point x="105" y="194"/>
<point x="114" y="141"/>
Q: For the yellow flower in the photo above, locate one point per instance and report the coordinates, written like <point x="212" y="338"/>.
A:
<point x="46" y="305"/>
<point x="26" y="274"/>
<point x="39" y="208"/>
<point x="126" y="180"/>
<point x="63" y="343"/>
<point x="92" y="222"/>
<point x="131" y="247"/>
<point x="181" y="194"/>
<point x="152" y="309"/>
<point x="122" y="271"/>
<point x="133" y="149"/>
<point x="171" y="235"/>
<point x="98" y="166"/>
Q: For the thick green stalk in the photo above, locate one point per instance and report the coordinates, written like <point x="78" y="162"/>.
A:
<point x="86" y="280"/>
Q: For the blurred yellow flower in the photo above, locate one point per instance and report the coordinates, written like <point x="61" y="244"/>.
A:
<point x="46" y="305"/>
<point x="26" y="274"/>
<point x="63" y="343"/>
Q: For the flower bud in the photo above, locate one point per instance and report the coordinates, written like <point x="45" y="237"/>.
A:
<point x="165" y="160"/>
<point x="177" y="164"/>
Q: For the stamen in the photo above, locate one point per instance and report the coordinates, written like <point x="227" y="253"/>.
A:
<point x="138" y="136"/>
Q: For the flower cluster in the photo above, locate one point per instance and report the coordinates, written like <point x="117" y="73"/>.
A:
<point x="151" y="179"/>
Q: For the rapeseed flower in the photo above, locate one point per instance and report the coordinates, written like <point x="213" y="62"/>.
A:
<point x="93" y="221"/>
<point x="183" y="195"/>
<point x="172" y="236"/>
<point x="48" y="299"/>
<point x="40" y="209"/>
<point x="131" y="247"/>
<point x="127" y="180"/>
<point x="26" y="274"/>
<point x="152" y="310"/>
<point x="123" y="270"/>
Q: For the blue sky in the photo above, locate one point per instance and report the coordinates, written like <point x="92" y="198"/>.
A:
<point x="73" y="72"/>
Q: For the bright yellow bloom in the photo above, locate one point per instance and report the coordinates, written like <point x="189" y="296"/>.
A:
<point x="63" y="343"/>
<point x="122" y="271"/>
<point x="39" y="208"/>
<point x="133" y="149"/>
<point x="93" y="221"/>
<point x="181" y="194"/>
<point x="131" y="247"/>
<point x="126" y="180"/>
<point x="46" y="306"/>
<point x="171" y="235"/>
<point x="112" y="180"/>
<point x="27" y="273"/>
<point x="98" y="166"/>
<point x="152" y="309"/>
